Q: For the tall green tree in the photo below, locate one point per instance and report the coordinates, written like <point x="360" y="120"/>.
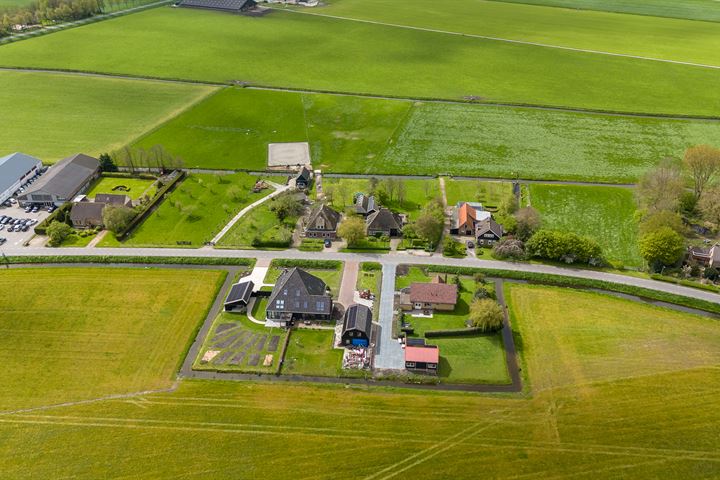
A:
<point x="352" y="230"/>
<point x="663" y="247"/>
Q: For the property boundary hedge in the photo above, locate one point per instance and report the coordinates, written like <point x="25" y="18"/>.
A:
<point x="249" y="262"/>
<point x="143" y="176"/>
<point x="41" y="228"/>
<point x="320" y="264"/>
<point x="460" y="332"/>
<point x="370" y="266"/>
<point x="563" y="281"/>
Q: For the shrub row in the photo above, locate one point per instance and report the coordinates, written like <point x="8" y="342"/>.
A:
<point x="150" y="206"/>
<point x="460" y="332"/>
<point x="125" y="259"/>
<point x="684" y="282"/>
<point x="258" y="243"/>
<point x="64" y="210"/>
<point x="143" y="176"/>
<point x="320" y="264"/>
<point x="563" y="281"/>
<point x="370" y="266"/>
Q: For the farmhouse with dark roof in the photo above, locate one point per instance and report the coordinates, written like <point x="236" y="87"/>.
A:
<point x="298" y="295"/>
<point x="357" y="326"/>
<point x="384" y="222"/>
<point x="322" y="222"/>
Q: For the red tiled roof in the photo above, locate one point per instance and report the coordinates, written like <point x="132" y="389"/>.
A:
<point x="427" y="354"/>
<point x="465" y="214"/>
<point x="433" y="293"/>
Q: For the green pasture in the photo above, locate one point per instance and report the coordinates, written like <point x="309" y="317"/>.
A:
<point x="71" y="334"/>
<point x="136" y="186"/>
<point x="707" y="10"/>
<point x="621" y="391"/>
<point x="52" y="116"/>
<point x="605" y="214"/>
<point x="310" y="352"/>
<point x="683" y="40"/>
<point x="359" y="57"/>
<point x="231" y="130"/>
<point x="196" y="210"/>
<point x="259" y="223"/>
<point x="490" y="194"/>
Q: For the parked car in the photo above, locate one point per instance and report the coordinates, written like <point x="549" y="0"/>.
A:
<point x="3" y="240"/>
<point x="470" y="244"/>
<point x="328" y="243"/>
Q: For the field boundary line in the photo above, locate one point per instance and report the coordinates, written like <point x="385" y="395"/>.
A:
<point x="508" y="40"/>
<point x="280" y="88"/>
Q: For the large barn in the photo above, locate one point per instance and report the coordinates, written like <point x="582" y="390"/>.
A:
<point x="63" y="181"/>
<point x="16" y="169"/>
<point x="234" y="6"/>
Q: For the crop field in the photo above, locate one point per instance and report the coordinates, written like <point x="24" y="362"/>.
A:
<point x="238" y="345"/>
<point x="648" y="409"/>
<point x="195" y="211"/>
<point x="231" y="130"/>
<point x="349" y="56"/>
<point x="606" y="214"/>
<point x="707" y="10"/>
<point x="683" y="40"/>
<point x="72" y="334"/>
<point x="490" y="194"/>
<point x="52" y="116"/>
<point x="135" y="187"/>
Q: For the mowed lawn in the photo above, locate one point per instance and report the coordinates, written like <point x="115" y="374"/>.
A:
<point x="598" y="409"/>
<point x="350" y="56"/>
<point x="52" y="116"/>
<point x="605" y="214"/>
<point x="231" y="130"/>
<point x="311" y="352"/>
<point x="136" y="187"/>
<point x="574" y="339"/>
<point x="490" y="194"/>
<point x="80" y="333"/>
<point x="683" y="40"/>
<point x="196" y="210"/>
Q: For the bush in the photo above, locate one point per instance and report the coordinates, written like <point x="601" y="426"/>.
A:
<point x="461" y="332"/>
<point x="453" y="248"/>
<point x="486" y="314"/>
<point x="509" y="248"/>
<point x="563" y="246"/>
<point x="58" y="231"/>
<point x="370" y="267"/>
<point x="319" y="264"/>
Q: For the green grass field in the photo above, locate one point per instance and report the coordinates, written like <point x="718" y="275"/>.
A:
<point x="490" y="194"/>
<point x="310" y="352"/>
<point x="682" y="40"/>
<point x="260" y="223"/>
<point x="136" y="186"/>
<point x="599" y="408"/>
<point x="606" y="214"/>
<point x="707" y="10"/>
<point x="231" y="130"/>
<point x="52" y="116"/>
<point x="71" y="334"/>
<point x="195" y="211"/>
<point x="365" y="58"/>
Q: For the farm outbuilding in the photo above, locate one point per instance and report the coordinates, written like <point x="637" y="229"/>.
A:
<point x="234" y="6"/>
<point x="15" y="169"/>
<point x="63" y="181"/>
<point x="239" y="296"/>
<point x="422" y="358"/>
<point x="357" y="326"/>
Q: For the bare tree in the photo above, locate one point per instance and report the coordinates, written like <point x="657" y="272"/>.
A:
<point x="710" y="205"/>
<point x="401" y="190"/>
<point x="390" y="184"/>
<point x="661" y="188"/>
<point x="703" y="162"/>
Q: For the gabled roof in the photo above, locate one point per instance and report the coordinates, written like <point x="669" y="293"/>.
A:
<point x="84" y="211"/>
<point x="303" y="174"/>
<point x="230" y="5"/>
<point x="112" y="198"/>
<point x="489" y="225"/>
<point x="240" y="292"/>
<point x="331" y="217"/>
<point x="65" y="177"/>
<point x="469" y="213"/>
<point x="433" y="293"/>
<point x="384" y="219"/>
<point x="358" y="317"/>
<point x="297" y="291"/>
<point x="365" y="204"/>
<point x="14" y="166"/>
<point x="425" y="354"/>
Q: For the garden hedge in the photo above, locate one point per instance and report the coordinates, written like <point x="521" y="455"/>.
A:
<point x="460" y="332"/>
<point x="320" y="264"/>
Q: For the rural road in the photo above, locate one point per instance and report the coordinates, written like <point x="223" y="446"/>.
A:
<point x="394" y="258"/>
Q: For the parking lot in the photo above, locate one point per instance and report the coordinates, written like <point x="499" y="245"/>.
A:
<point x="17" y="239"/>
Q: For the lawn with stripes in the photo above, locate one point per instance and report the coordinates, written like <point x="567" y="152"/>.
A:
<point x="71" y="334"/>
<point x="350" y="56"/>
<point x="53" y="116"/>
<point x="627" y="392"/>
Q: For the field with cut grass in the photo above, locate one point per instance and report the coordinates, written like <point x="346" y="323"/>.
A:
<point x="260" y="228"/>
<point x="350" y="56"/>
<point x="52" y="116"/>
<point x="311" y="352"/>
<point x="707" y="10"/>
<point x="231" y="130"/>
<point x="195" y="211"/>
<point x="135" y="187"/>
<point x="72" y="334"/>
<point x="490" y="194"/>
<point x="600" y="408"/>
<point x="605" y="214"/>
<point x="683" y="40"/>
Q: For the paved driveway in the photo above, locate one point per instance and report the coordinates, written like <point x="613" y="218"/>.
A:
<point x="17" y="239"/>
<point x="388" y="352"/>
<point x="349" y="280"/>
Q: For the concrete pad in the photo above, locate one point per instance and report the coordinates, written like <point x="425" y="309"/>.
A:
<point x="291" y="154"/>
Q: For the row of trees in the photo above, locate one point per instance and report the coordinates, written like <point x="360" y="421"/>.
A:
<point x="155" y="159"/>
<point x="48" y="12"/>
